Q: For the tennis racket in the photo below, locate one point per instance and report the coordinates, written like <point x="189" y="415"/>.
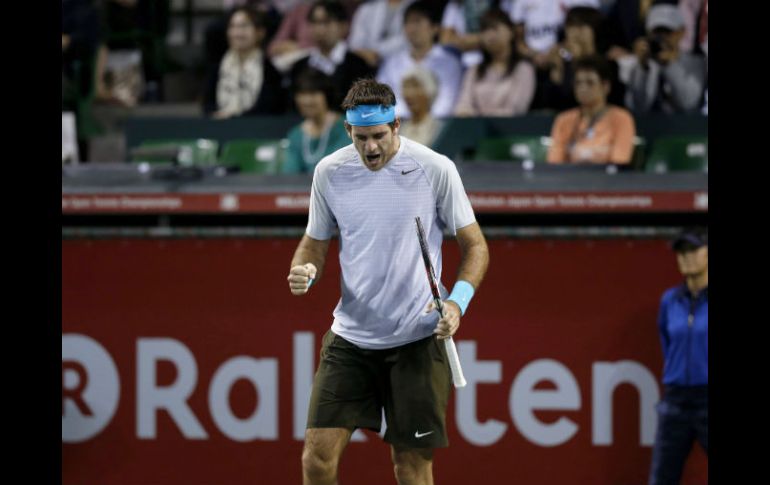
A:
<point x="451" y="351"/>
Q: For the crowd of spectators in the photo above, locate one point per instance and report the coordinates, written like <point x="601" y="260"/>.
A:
<point x="443" y="58"/>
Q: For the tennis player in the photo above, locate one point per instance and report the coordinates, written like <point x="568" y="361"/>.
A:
<point x="383" y="349"/>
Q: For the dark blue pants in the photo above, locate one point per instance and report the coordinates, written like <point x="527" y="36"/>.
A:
<point x="682" y="419"/>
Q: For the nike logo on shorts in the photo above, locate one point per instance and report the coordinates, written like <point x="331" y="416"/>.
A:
<point x="417" y="434"/>
<point x="404" y="173"/>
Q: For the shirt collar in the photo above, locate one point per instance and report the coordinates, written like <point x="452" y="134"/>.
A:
<point x="684" y="292"/>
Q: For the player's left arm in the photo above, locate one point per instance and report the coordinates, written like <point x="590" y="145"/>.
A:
<point x="474" y="260"/>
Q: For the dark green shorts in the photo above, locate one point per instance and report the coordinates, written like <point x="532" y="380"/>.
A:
<point x="411" y="383"/>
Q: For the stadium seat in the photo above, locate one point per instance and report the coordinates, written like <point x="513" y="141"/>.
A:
<point x="191" y="152"/>
<point x="254" y="156"/>
<point x="513" y="148"/>
<point x="678" y="153"/>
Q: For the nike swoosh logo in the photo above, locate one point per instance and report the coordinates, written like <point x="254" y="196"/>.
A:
<point x="404" y="173"/>
<point x="367" y="115"/>
<point x="417" y="434"/>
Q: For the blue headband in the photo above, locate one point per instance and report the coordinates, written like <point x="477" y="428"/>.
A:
<point x="370" y="115"/>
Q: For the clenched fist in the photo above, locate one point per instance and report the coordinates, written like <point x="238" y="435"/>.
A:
<point x="300" y="278"/>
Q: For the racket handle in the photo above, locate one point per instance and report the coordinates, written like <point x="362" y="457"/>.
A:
<point x="454" y="363"/>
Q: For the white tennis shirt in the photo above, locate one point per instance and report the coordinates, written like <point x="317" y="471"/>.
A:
<point x="384" y="286"/>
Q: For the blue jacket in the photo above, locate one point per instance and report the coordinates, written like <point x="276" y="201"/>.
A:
<point x="683" y="323"/>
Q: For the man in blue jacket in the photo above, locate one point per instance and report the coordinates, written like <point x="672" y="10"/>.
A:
<point x="683" y="327"/>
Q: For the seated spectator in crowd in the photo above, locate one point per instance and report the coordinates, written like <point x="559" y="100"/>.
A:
<point x="421" y="26"/>
<point x="665" y="80"/>
<point x="582" y="37"/>
<point x="594" y="132"/>
<point x="141" y="25"/>
<point x="420" y="87"/>
<point x="322" y="132"/>
<point x="376" y="30"/>
<point x="503" y="84"/>
<point x="461" y="28"/>
<point x="293" y="39"/>
<point x="283" y="6"/>
<point x="245" y="82"/>
<point x="330" y="53"/>
<point x="696" y="27"/>
<point x="538" y="23"/>
<point x="625" y="24"/>
<point x="80" y="37"/>
<point x="215" y="34"/>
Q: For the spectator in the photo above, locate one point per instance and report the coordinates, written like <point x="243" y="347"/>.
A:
<point x="420" y="87"/>
<point x="502" y="84"/>
<point x="80" y="37"/>
<point x="538" y="23"/>
<point x="421" y="27"/>
<point x="215" y="34"/>
<point x="294" y="39"/>
<point x="582" y="37"/>
<point x="625" y="22"/>
<point x="330" y="54"/>
<point x="142" y="25"/>
<point x="376" y="31"/>
<point x="665" y="79"/>
<point x="594" y="132"/>
<point x="695" y="14"/>
<point x="683" y="327"/>
<point x="322" y="132"/>
<point x="461" y="28"/>
<point x="283" y="6"/>
<point x="245" y="82"/>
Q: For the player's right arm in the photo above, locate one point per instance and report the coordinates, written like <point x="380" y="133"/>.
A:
<point x="308" y="263"/>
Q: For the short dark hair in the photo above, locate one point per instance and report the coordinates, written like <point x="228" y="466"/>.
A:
<point x="257" y="18"/>
<point x="596" y="64"/>
<point x="368" y="91"/>
<point x="595" y="19"/>
<point x="312" y="80"/>
<point x="583" y="15"/>
<point x="424" y="8"/>
<point x="333" y="9"/>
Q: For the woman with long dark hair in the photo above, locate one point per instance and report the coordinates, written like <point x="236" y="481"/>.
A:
<point x="503" y="84"/>
<point x="245" y="82"/>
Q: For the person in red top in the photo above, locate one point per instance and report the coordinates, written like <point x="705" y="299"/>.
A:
<point x="594" y="132"/>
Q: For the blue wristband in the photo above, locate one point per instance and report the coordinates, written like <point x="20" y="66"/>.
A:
<point x="462" y="294"/>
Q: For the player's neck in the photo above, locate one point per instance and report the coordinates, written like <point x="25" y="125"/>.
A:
<point x="396" y="147"/>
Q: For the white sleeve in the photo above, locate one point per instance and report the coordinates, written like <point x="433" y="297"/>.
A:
<point x="453" y="18"/>
<point x="517" y="11"/>
<point x="359" y="28"/>
<point x="454" y="208"/>
<point x="321" y="222"/>
<point x="386" y="71"/>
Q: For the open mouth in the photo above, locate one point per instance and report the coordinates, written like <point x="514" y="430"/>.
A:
<point x="373" y="158"/>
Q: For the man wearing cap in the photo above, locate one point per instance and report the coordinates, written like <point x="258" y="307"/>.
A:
<point x="665" y="80"/>
<point x="683" y="327"/>
<point x="383" y="352"/>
